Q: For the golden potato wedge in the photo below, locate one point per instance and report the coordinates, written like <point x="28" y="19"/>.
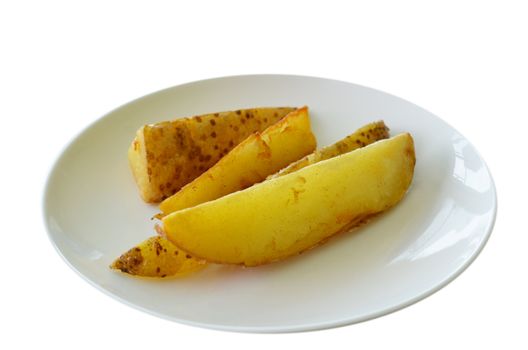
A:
<point x="363" y="136"/>
<point x="258" y="156"/>
<point x="156" y="257"/>
<point x="292" y="213"/>
<point x="166" y="156"/>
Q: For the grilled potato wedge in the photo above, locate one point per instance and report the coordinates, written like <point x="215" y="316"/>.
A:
<point x="292" y="213"/>
<point x="167" y="155"/>
<point x="156" y="257"/>
<point x="363" y="136"/>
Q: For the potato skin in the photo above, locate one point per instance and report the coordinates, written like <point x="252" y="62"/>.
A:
<point x="165" y="156"/>
<point x="250" y="162"/>
<point x="156" y="257"/>
<point x="289" y="214"/>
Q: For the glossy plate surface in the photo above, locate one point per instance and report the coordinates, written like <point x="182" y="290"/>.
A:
<point x="93" y="213"/>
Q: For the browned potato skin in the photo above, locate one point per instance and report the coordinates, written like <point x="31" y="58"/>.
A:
<point x="362" y="137"/>
<point x="167" y="155"/>
<point x="156" y="257"/>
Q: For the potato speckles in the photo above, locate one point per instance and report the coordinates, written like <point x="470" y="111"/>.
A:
<point x="129" y="262"/>
<point x="158" y="247"/>
<point x="194" y="152"/>
<point x="177" y="170"/>
<point x="213" y="134"/>
<point x="212" y="122"/>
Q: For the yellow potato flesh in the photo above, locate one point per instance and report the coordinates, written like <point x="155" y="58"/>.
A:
<point x="165" y="156"/>
<point x="289" y="214"/>
<point x="260" y="155"/>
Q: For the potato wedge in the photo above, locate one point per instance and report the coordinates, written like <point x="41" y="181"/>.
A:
<point x="363" y="136"/>
<point x="166" y="156"/>
<point x="250" y="162"/>
<point x="292" y="213"/>
<point x="156" y="257"/>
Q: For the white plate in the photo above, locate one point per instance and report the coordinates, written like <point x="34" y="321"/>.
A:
<point x="93" y="213"/>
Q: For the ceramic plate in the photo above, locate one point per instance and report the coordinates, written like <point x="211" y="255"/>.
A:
<point x="93" y="213"/>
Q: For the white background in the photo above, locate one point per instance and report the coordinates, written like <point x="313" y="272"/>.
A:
<point x="64" y="64"/>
